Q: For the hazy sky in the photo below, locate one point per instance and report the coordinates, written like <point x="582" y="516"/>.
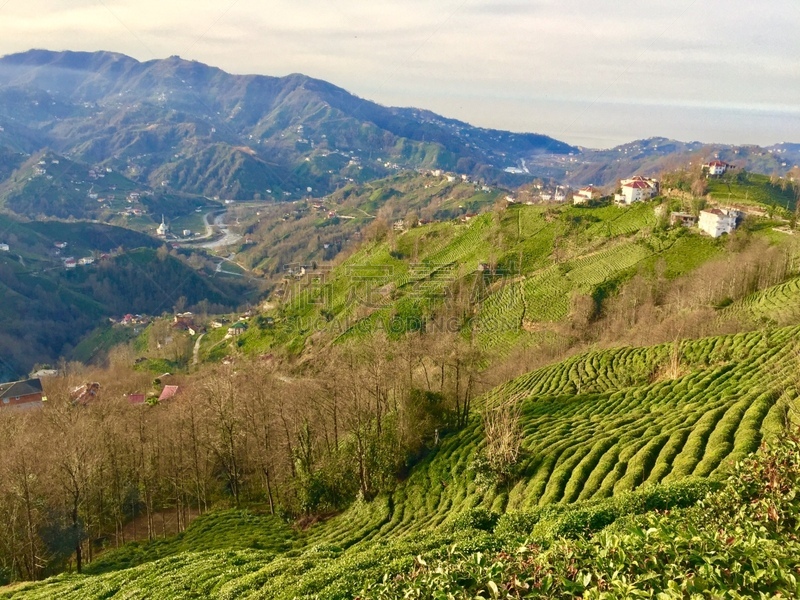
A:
<point x="594" y="72"/>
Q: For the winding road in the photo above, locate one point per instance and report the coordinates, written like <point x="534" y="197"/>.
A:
<point x="228" y="237"/>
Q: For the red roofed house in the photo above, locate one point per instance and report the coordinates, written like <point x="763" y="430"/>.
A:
<point x="22" y="394"/>
<point x="136" y="398"/>
<point x="716" y="167"/>
<point x="636" y="189"/>
<point x="169" y="392"/>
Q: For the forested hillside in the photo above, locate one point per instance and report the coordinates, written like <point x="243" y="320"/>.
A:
<point x="47" y="308"/>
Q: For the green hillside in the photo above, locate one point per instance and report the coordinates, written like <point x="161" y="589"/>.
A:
<point x="594" y="427"/>
<point x="472" y="377"/>
<point x="743" y="188"/>
<point x="512" y="277"/>
<point x="52" y="185"/>
<point x="47" y="309"/>
<point x="318" y="231"/>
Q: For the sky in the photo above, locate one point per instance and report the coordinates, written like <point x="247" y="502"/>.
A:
<point x="593" y="72"/>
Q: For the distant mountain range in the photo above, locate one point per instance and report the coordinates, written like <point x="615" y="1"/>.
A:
<point x="188" y="126"/>
<point x="178" y="125"/>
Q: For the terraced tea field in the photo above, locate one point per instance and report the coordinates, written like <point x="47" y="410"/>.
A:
<point x="544" y="255"/>
<point x="595" y="426"/>
<point x="779" y="304"/>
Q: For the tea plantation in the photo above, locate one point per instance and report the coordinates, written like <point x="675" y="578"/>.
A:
<point x="609" y="436"/>
<point x="516" y="269"/>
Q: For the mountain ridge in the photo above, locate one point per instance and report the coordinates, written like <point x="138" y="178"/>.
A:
<point x="109" y="107"/>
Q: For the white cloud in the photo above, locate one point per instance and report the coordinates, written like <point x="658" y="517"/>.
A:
<point x="494" y="63"/>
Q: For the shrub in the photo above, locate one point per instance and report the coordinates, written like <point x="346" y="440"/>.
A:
<point x="475" y="518"/>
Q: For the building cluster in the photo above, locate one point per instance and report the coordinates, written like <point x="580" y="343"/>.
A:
<point x="70" y="262"/>
<point x="543" y="193"/>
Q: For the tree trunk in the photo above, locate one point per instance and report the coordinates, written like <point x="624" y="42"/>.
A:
<point x="269" y="492"/>
<point x="78" y="544"/>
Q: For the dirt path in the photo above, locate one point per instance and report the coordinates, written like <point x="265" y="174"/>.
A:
<point x="196" y="350"/>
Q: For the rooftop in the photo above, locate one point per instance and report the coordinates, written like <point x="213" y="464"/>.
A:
<point x="15" y="389"/>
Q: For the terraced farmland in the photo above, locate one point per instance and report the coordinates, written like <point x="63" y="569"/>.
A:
<point x="779" y="304"/>
<point x="595" y="426"/>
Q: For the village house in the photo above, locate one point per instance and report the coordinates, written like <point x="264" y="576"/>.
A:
<point x="716" y="221"/>
<point x="636" y="189"/>
<point x="586" y="195"/>
<point x="4" y="248"/>
<point x="84" y="394"/>
<point x="183" y="321"/>
<point x="169" y="392"/>
<point x="137" y="399"/>
<point x="236" y="329"/>
<point x="683" y="219"/>
<point x="46" y="372"/>
<point x="716" y="167"/>
<point x="22" y="394"/>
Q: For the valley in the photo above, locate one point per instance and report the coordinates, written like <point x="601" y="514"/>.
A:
<point x="285" y="342"/>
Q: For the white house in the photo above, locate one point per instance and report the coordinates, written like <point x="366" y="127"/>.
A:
<point x="636" y="189"/>
<point x="716" y="221"/>
<point x="586" y="195"/>
<point x="4" y="248"/>
<point x="716" y="167"/>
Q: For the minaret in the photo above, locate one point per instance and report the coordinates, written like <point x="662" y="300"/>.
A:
<point x="163" y="228"/>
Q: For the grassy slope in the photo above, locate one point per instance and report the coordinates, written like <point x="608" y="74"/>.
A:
<point x="751" y="189"/>
<point x="628" y="425"/>
<point x="540" y="258"/>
